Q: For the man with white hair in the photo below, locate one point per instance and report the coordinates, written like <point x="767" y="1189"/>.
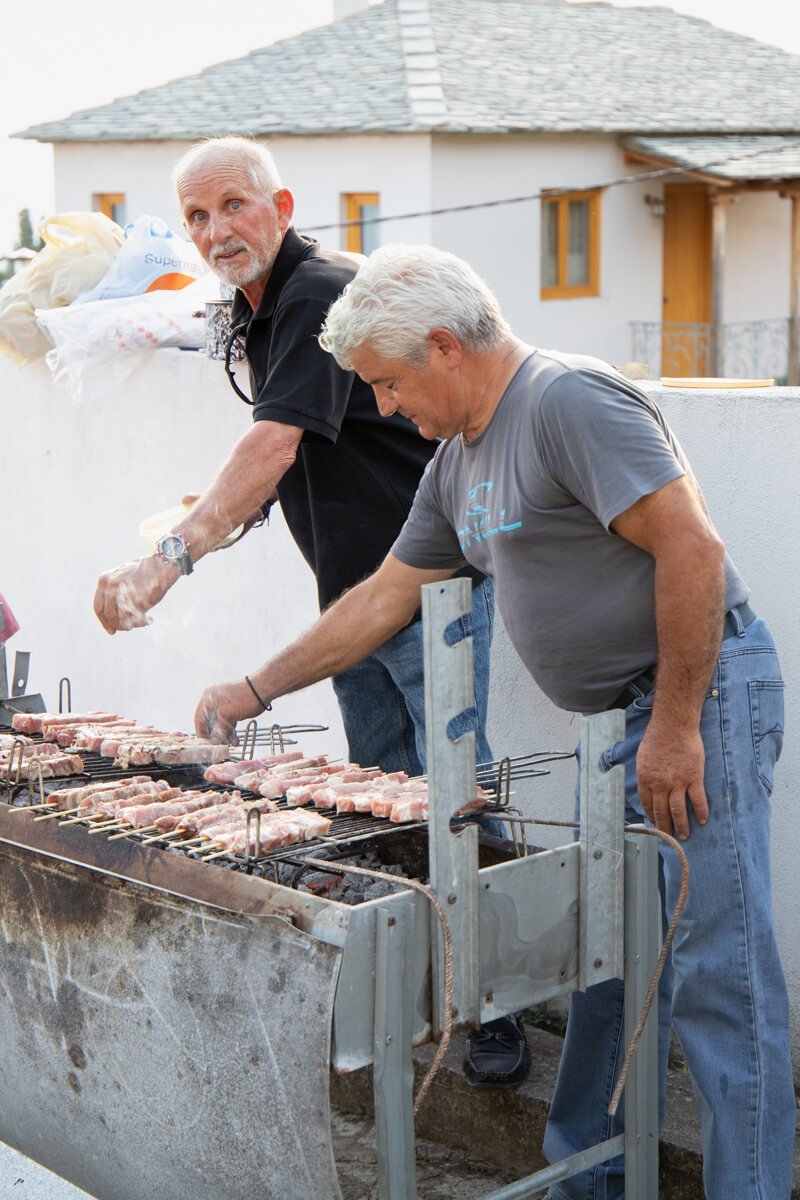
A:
<point x="560" y="479"/>
<point x="345" y="480"/>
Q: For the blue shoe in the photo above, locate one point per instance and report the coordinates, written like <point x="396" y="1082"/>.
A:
<point x="497" y="1054"/>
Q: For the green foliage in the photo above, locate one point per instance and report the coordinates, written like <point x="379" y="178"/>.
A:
<point x="26" y="236"/>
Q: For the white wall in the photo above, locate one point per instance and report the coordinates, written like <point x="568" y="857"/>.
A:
<point x="418" y="172"/>
<point x="502" y="243"/>
<point x="318" y="170"/>
<point x="77" y="479"/>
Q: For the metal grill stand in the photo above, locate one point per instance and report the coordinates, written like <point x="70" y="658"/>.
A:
<point x="167" y="1025"/>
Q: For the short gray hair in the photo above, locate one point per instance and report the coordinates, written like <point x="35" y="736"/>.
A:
<point x="255" y="158"/>
<point x="400" y="294"/>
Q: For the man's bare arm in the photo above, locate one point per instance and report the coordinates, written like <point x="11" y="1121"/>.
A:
<point x="360" y="621"/>
<point x="672" y="525"/>
<point x="256" y="465"/>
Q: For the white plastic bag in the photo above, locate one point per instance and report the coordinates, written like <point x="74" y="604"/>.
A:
<point x="78" y="249"/>
<point x="152" y="258"/>
<point x="98" y="344"/>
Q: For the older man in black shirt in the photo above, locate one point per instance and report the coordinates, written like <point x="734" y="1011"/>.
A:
<point x="345" y="476"/>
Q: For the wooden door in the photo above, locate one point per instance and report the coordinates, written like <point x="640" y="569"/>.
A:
<point x="686" y="312"/>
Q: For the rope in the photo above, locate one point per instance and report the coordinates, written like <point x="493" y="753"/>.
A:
<point x="448" y="958"/>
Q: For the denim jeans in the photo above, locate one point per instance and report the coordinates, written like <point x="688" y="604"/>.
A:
<point x="724" y="989"/>
<point x="382" y="698"/>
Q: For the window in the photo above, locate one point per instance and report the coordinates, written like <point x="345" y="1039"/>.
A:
<point x="112" y="204"/>
<point x="362" y="206"/>
<point x="570" y="245"/>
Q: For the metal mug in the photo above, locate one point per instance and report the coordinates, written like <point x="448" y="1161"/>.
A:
<point x="218" y="330"/>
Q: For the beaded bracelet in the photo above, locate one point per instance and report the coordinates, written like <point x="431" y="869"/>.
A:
<point x="249" y="682"/>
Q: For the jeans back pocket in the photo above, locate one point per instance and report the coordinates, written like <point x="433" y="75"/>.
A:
<point x="766" y="717"/>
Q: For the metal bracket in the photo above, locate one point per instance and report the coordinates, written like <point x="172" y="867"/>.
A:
<point x="449" y="690"/>
<point x="602" y="815"/>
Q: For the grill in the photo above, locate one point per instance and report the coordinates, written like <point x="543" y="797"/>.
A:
<point x="169" y="1024"/>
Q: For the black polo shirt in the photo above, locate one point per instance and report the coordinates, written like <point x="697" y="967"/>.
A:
<point x="348" y="494"/>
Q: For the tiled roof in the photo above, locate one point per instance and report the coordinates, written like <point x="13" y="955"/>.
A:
<point x="731" y="157"/>
<point x="472" y="66"/>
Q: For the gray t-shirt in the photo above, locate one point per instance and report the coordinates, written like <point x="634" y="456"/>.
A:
<point x="571" y="445"/>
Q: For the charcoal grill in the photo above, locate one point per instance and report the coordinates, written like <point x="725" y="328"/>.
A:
<point x="168" y="1025"/>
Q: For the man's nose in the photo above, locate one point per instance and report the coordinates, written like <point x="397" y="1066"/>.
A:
<point x="385" y="401"/>
<point x="218" y="227"/>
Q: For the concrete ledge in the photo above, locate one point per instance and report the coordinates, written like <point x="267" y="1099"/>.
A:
<point x="505" y="1129"/>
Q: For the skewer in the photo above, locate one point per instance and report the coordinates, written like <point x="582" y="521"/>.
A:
<point x="127" y="832"/>
<point x="33" y="807"/>
<point x="216" y="854"/>
<point x="114" y="836"/>
<point x="106" y="828"/>
<point x="159" y="837"/>
<point x="59" y="812"/>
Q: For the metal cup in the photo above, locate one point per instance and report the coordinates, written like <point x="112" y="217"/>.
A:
<point x="218" y="330"/>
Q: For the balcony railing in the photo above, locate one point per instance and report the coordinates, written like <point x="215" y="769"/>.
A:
<point x="750" y="349"/>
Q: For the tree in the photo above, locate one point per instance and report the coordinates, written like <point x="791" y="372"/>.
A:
<point x="26" y="237"/>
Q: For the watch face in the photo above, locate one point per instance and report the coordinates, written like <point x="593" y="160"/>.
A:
<point x="172" y="546"/>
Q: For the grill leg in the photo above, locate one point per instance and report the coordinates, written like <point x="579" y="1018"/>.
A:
<point x="642" y="925"/>
<point x="393" y="1070"/>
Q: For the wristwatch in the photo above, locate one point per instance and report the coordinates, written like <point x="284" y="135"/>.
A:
<point x="174" y="548"/>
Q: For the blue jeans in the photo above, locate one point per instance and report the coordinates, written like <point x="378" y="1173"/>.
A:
<point x="382" y="698"/>
<point x="724" y="990"/>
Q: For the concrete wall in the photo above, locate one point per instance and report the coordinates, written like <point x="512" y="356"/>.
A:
<point x="78" y="479"/>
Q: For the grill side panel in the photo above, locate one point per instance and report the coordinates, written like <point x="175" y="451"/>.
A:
<point x="155" y="1046"/>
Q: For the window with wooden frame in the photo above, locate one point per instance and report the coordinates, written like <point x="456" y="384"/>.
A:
<point x="570" y="245"/>
<point x="112" y="204"/>
<point x="362" y="206"/>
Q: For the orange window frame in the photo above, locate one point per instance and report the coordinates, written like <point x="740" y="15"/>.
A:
<point x="562" y="290"/>
<point x="106" y="202"/>
<point x="353" y="204"/>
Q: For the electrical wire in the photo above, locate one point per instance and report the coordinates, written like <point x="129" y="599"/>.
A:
<point x="548" y="193"/>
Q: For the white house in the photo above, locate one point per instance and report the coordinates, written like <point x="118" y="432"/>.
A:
<point x="625" y="179"/>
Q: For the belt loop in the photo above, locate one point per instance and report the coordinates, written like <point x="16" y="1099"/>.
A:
<point x="737" y="616"/>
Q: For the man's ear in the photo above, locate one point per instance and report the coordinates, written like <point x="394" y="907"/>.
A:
<point x="284" y="205"/>
<point x="446" y="345"/>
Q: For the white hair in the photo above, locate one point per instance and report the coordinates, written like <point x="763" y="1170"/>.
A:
<point x="256" y="160"/>
<point x="400" y="294"/>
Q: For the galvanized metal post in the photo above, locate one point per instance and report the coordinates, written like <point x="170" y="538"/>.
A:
<point x="793" y="377"/>
<point x="602" y="813"/>
<point x="449" y="690"/>
<point x="642" y="932"/>
<point x="393" y="1069"/>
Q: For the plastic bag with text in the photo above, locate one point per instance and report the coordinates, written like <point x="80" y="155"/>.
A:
<point x="97" y="345"/>
<point x="79" y="247"/>
<point x="152" y="258"/>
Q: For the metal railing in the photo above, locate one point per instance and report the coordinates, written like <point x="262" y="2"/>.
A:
<point x="750" y="349"/>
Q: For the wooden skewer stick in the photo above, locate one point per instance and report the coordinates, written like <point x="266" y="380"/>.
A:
<point x="61" y="812"/>
<point x="216" y="854"/>
<point x="32" y="807"/>
<point x="155" y="837"/>
<point x="127" y="832"/>
<point x="107" y="827"/>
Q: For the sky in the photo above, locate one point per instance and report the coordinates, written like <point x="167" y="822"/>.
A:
<point x="85" y="53"/>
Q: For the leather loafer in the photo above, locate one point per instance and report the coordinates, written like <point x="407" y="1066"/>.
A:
<point x="497" y="1054"/>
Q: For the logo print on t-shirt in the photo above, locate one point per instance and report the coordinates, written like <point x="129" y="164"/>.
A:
<point x="479" y="520"/>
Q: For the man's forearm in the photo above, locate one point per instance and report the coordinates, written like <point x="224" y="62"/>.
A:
<point x="348" y="631"/>
<point x="251" y="474"/>
<point x="690" y="602"/>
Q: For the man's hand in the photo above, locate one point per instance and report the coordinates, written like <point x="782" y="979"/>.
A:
<point x="220" y="707"/>
<point x="125" y="595"/>
<point x="669" y="771"/>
